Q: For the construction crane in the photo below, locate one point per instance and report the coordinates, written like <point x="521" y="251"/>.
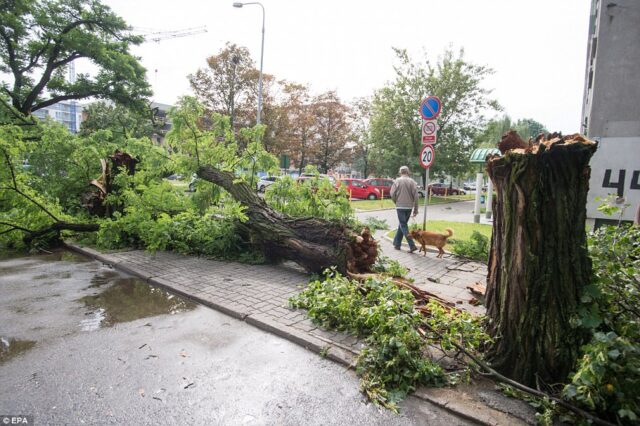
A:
<point x="157" y="36"/>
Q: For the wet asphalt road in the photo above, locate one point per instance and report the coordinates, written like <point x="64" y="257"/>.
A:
<point x="83" y="344"/>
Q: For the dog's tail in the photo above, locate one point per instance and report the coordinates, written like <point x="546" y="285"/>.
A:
<point x="449" y="231"/>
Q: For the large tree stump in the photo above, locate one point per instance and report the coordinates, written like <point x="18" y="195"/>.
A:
<point x="538" y="264"/>
<point x="313" y="243"/>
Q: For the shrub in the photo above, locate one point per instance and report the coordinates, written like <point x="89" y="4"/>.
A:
<point x="607" y="379"/>
<point x="313" y="197"/>
<point x="476" y="248"/>
<point x="373" y="223"/>
<point x="607" y="376"/>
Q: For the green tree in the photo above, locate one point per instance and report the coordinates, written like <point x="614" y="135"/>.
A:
<point x="225" y="86"/>
<point x="361" y="134"/>
<point x="229" y="86"/>
<point x="495" y="128"/>
<point x="40" y="38"/>
<point x="332" y="129"/>
<point x="300" y="129"/>
<point x="529" y="128"/>
<point x="395" y="120"/>
<point x="121" y="121"/>
<point x="493" y="131"/>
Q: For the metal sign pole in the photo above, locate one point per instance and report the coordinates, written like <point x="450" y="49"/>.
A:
<point x="426" y="198"/>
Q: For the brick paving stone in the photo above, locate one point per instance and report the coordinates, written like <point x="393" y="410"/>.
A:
<point x="305" y="325"/>
<point x="448" y="280"/>
<point x="452" y="273"/>
<point x="350" y="340"/>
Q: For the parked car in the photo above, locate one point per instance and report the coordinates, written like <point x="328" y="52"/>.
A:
<point x="303" y="177"/>
<point x="469" y="186"/>
<point x="381" y="184"/>
<point x="306" y="176"/>
<point x="359" y="189"/>
<point x="265" y="182"/>
<point x="445" y="189"/>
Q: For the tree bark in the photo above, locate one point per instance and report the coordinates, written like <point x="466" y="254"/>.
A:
<point x="56" y="228"/>
<point x="315" y="244"/>
<point x="538" y="264"/>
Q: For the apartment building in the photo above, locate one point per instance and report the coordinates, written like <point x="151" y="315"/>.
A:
<point x="611" y="105"/>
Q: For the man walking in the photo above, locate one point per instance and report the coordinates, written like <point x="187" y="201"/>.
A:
<point x="404" y="194"/>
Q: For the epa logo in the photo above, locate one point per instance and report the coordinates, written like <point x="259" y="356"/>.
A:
<point x="16" y="420"/>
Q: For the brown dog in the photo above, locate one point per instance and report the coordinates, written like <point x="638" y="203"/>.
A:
<point x="427" y="238"/>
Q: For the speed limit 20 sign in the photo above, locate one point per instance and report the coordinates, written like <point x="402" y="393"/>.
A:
<point x="426" y="156"/>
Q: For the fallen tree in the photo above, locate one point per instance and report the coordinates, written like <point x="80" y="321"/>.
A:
<point x="315" y="244"/>
<point x="50" y="232"/>
<point x="538" y="263"/>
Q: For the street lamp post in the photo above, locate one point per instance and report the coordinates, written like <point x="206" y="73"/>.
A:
<point x="232" y="93"/>
<point x="237" y="4"/>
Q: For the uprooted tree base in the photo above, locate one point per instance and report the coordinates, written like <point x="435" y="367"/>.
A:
<point x="313" y="243"/>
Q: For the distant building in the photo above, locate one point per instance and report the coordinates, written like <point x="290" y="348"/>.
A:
<point x="611" y="104"/>
<point x="161" y="117"/>
<point x="68" y="113"/>
<point x="72" y="114"/>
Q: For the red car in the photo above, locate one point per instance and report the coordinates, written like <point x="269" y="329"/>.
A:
<point x="445" y="189"/>
<point x="358" y="189"/>
<point x="382" y="185"/>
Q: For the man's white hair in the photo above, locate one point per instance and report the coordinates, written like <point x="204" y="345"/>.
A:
<point x="404" y="170"/>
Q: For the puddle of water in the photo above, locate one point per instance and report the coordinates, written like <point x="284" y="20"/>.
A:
<point x="10" y="348"/>
<point x="18" y="262"/>
<point x="129" y="299"/>
<point x="69" y="256"/>
<point x="10" y="254"/>
<point x="63" y="275"/>
<point x="102" y="278"/>
<point x="94" y="320"/>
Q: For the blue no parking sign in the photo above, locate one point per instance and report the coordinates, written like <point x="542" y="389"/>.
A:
<point x="430" y="107"/>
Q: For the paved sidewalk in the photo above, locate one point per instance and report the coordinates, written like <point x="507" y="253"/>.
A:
<point x="258" y="294"/>
<point x="447" y="277"/>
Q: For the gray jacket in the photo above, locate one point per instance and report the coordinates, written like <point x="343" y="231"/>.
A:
<point x="404" y="193"/>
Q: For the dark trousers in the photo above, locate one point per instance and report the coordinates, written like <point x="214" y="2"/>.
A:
<point x="403" y="228"/>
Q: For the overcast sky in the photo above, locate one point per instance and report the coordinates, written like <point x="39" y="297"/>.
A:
<point x="537" y="48"/>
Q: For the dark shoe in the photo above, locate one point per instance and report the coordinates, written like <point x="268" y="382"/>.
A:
<point x="413" y="249"/>
<point x="396" y="247"/>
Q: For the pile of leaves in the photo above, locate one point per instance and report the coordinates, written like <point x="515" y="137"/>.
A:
<point x="396" y="359"/>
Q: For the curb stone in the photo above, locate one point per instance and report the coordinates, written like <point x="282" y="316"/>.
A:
<point x="449" y="399"/>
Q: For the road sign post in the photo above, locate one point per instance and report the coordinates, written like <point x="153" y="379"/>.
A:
<point x="427" y="155"/>
<point x="429" y="132"/>
<point x="426" y="199"/>
<point x="430" y="109"/>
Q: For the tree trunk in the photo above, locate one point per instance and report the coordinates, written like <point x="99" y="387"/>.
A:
<point x="538" y="264"/>
<point x="55" y="229"/>
<point x="315" y="244"/>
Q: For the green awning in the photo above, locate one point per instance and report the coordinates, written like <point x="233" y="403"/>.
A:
<point x="479" y="155"/>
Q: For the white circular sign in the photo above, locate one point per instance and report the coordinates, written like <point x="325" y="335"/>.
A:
<point x="426" y="156"/>
<point x="429" y="128"/>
